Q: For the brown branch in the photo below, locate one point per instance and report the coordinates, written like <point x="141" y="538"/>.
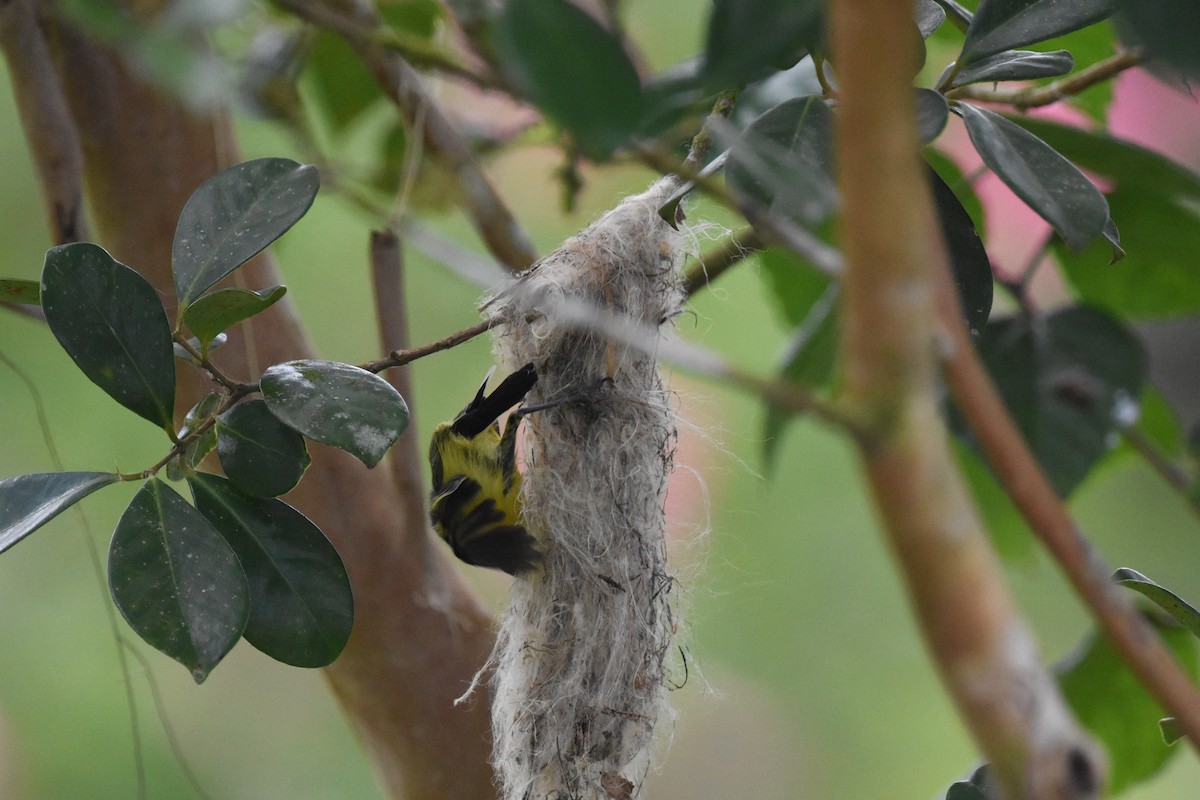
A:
<point x="49" y="129"/>
<point x="500" y="231"/>
<point x="985" y="652"/>
<point x="1022" y="478"/>
<point x="387" y="279"/>
<point x="1035" y="96"/>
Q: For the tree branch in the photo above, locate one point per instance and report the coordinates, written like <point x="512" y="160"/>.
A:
<point x="500" y="231"/>
<point x="49" y="129"/>
<point x="1022" y="478"/>
<point x="986" y="655"/>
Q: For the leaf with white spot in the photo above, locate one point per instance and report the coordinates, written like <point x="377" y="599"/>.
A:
<point x="337" y="404"/>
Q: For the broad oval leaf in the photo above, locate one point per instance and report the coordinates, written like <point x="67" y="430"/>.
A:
<point x="301" y="606"/>
<point x="176" y="581"/>
<point x="1180" y="610"/>
<point x="781" y="32"/>
<point x="1047" y="182"/>
<point x="1004" y="24"/>
<point x="1112" y="704"/>
<point x="337" y="404"/>
<point x="213" y="313"/>
<point x="784" y="161"/>
<point x="260" y="454"/>
<point x="574" y="70"/>
<point x="1069" y="380"/>
<point x="929" y="16"/>
<point x="233" y="216"/>
<point x="110" y="321"/>
<point x="1015" y="65"/>
<point x="27" y="502"/>
<point x="15" y="290"/>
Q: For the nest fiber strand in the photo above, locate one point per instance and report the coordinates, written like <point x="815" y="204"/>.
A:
<point x="581" y="657"/>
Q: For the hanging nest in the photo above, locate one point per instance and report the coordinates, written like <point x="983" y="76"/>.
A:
<point x="583" y="652"/>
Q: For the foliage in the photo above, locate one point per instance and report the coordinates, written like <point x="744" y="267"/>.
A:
<point x="193" y="578"/>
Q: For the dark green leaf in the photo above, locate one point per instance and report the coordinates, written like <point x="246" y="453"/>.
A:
<point x="932" y="113"/>
<point x="27" y="502"/>
<point x="1179" y="609"/>
<point x="1004" y="24"/>
<point x="1111" y="702"/>
<point x="213" y="313"/>
<point x="968" y="258"/>
<point x="110" y="321"/>
<point x="418" y="18"/>
<point x="965" y="790"/>
<point x="337" y="404"/>
<point x="14" y="290"/>
<point x="1068" y="380"/>
<point x="176" y="581"/>
<point x="573" y="70"/>
<point x="746" y="38"/>
<point x="301" y="607"/>
<point x="1125" y="163"/>
<point x="1050" y="184"/>
<point x="233" y="216"/>
<point x="784" y="161"/>
<point x="259" y="453"/>
<point x="1016" y="65"/>
<point x="1167" y="30"/>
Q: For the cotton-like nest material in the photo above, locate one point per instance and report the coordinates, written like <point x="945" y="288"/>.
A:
<point x="580" y="665"/>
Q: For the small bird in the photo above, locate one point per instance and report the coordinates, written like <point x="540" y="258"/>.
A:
<point x="475" y="504"/>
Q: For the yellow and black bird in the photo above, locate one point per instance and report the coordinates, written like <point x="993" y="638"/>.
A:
<point x="475" y="505"/>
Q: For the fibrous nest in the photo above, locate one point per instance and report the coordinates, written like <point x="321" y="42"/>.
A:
<point x="581" y="661"/>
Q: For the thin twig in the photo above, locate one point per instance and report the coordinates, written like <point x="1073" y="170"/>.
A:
<point x="500" y="231"/>
<point x="713" y="264"/>
<point x="399" y="358"/>
<point x="1035" y="96"/>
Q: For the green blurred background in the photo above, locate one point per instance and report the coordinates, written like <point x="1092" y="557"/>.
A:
<point x="806" y="676"/>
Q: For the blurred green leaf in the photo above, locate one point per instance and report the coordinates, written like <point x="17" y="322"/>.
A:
<point x="110" y="321"/>
<point x="1167" y="30"/>
<point x="27" y="502"/>
<point x="747" y="38"/>
<point x="1111" y="702"/>
<point x="1048" y="183"/>
<point x="233" y="216"/>
<point x="222" y="309"/>
<point x="1004" y="24"/>
<point x="1015" y="65"/>
<point x="301" y="607"/>
<point x="1158" y="205"/>
<point x="1179" y="609"/>
<point x="176" y="581"/>
<point x="14" y="290"/>
<point x="260" y="454"/>
<point x="784" y="161"/>
<point x="417" y="17"/>
<point x="337" y="404"/>
<point x="342" y="86"/>
<point x="574" y="70"/>
<point x="1068" y="380"/>
<point x="1006" y="527"/>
